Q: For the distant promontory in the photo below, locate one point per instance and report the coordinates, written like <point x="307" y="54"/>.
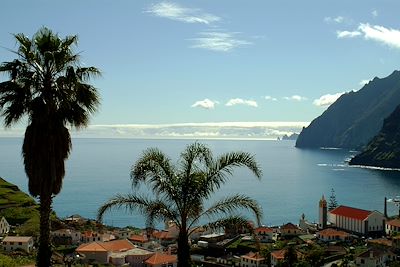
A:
<point x="355" y="118"/>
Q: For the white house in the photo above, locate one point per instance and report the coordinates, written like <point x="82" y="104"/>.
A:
<point x="277" y="256"/>
<point x="355" y="220"/>
<point x="264" y="234"/>
<point x="290" y="229"/>
<point x="329" y="234"/>
<point x="11" y="243"/>
<point x="374" y="257"/>
<point x="90" y="236"/>
<point x="252" y="260"/>
<point x="117" y="252"/>
<point x="66" y="236"/>
<point x="392" y="226"/>
<point x="4" y="226"/>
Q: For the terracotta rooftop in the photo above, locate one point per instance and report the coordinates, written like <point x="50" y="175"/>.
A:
<point x="163" y="235"/>
<point x="289" y="226"/>
<point x="161" y="258"/>
<point x="332" y="232"/>
<point x="394" y="222"/>
<point x="253" y="256"/>
<point x="376" y="253"/>
<point x="350" y="212"/>
<point x="264" y="229"/>
<point x="116" y="245"/>
<point x="139" y="238"/>
<point x="278" y="254"/>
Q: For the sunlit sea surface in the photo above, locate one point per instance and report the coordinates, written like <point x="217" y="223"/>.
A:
<point x="293" y="180"/>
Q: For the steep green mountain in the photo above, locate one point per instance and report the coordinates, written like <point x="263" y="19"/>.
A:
<point x="355" y="118"/>
<point x="384" y="149"/>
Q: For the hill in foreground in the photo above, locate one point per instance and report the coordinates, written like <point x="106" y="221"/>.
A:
<point x="355" y="118"/>
<point x="384" y="149"/>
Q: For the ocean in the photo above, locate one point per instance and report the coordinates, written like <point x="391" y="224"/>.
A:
<point x="293" y="179"/>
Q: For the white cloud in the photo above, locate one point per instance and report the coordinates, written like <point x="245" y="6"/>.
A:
<point x="374" y="13"/>
<point x="239" y="101"/>
<point x="327" y="100"/>
<point x="295" y="98"/>
<point x="177" y="12"/>
<point x="364" y="82"/>
<point x="218" y="41"/>
<point x="347" y="34"/>
<point x="270" y="98"/>
<point x="338" y="19"/>
<point x="206" y="104"/>
<point x="388" y="36"/>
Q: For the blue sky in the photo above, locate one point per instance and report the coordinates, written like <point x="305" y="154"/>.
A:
<point x="177" y="62"/>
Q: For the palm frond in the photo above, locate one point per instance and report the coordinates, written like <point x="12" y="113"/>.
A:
<point x="230" y="204"/>
<point x="230" y="222"/>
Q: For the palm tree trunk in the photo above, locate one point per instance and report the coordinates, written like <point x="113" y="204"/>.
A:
<point x="183" y="249"/>
<point x="44" y="254"/>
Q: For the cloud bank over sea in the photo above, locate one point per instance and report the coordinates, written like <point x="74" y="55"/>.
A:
<point x="209" y="130"/>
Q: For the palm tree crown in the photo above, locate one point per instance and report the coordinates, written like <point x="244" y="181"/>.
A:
<point x="181" y="191"/>
<point x="48" y="87"/>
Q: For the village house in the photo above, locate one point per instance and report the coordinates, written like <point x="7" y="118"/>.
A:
<point x="374" y="257"/>
<point x="122" y="233"/>
<point x="66" y="237"/>
<point x="392" y="227"/>
<point x="117" y="252"/>
<point x="363" y="222"/>
<point x="264" y="234"/>
<point x="329" y="234"/>
<point x="138" y="240"/>
<point x="11" y="243"/>
<point x="90" y="236"/>
<point x="161" y="260"/>
<point x="4" y="226"/>
<point x="252" y="260"/>
<point x="277" y="256"/>
<point x="290" y="229"/>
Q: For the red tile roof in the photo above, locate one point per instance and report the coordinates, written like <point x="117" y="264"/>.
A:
<point x="350" y="212"/>
<point x="394" y="222"/>
<point x="138" y="238"/>
<point x="289" y="226"/>
<point x="253" y="256"/>
<point x="112" y="246"/>
<point x="278" y="254"/>
<point x="264" y="229"/>
<point x="332" y="232"/>
<point x="161" y="258"/>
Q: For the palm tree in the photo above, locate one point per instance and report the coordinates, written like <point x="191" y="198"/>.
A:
<point x="180" y="191"/>
<point x="48" y="87"/>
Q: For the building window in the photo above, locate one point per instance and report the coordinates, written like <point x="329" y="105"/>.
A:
<point x="20" y="243"/>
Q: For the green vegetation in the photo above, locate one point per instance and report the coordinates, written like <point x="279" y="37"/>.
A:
<point x="181" y="191"/>
<point x="48" y="87"/>
<point x="15" y="260"/>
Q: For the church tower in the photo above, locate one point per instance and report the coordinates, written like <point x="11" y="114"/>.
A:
<point x="323" y="213"/>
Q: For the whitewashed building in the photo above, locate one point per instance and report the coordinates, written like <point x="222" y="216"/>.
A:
<point x="375" y="257"/>
<point x="264" y="234"/>
<point x="392" y="226"/>
<point x="252" y="260"/>
<point x="66" y="236"/>
<point x="11" y="243"/>
<point x="355" y="220"/>
<point x="4" y="226"/>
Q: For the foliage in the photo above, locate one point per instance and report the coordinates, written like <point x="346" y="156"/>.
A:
<point x="181" y="191"/>
<point x="290" y="257"/>
<point x="15" y="261"/>
<point x="315" y="256"/>
<point x="332" y="201"/>
<point x="48" y="87"/>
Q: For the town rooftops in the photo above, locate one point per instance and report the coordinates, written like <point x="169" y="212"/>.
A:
<point x="350" y="212"/>
<point x="253" y="256"/>
<point x="289" y="226"/>
<point x="374" y="253"/>
<point x="263" y="229"/>
<point x="278" y="254"/>
<point x="333" y="232"/>
<point x="139" y="238"/>
<point x="111" y="246"/>
<point x="22" y="239"/>
<point x="394" y="222"/>
<point x="161" y="258"/>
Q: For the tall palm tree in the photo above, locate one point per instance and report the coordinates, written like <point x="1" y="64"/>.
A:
<point x="181" y="191"/>
<point x="48" y="87"/>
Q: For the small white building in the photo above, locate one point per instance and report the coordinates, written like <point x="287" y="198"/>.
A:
<point x="11" y="243"/>
<point x="4" y="226"/>
<point x="356" y="220"/>
<point x="374" y="257"/>
<point x="264" y="234"/>
<point x="252" y="260"/>
<point x="66" y="236"/>
<point x="290" y="229"/>
<point x="90" y="236"/>
<point x="277" y="256"/>
<point x="329" y="234"/>
<point x="392" y="226"/>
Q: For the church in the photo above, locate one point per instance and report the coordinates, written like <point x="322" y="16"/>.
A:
<point x="358" y="221"/>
